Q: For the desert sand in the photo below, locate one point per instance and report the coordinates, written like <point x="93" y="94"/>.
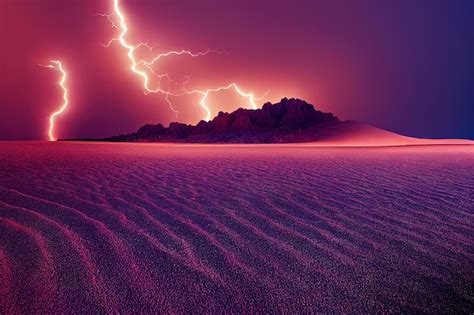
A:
<point x="106" y="227"/>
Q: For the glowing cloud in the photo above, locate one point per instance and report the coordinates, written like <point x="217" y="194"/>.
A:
<point x="140" y="67"/>
<point x="56" y="64"/>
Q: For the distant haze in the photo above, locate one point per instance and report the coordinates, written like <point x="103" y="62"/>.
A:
<point x="405" y="66"/>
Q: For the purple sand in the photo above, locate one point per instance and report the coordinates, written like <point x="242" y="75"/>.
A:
<point x="93" y="227"/>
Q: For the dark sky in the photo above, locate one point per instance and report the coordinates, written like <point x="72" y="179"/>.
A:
<point x="405" y="65"/>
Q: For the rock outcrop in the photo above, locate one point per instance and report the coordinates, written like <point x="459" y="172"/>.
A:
<point x="286" y="121"/>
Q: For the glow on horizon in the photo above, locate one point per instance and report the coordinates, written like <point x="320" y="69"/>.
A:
<point x="134" y="63"/>
<point x="56" y="64"/>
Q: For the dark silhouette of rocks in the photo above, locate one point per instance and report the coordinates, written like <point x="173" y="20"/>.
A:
<point x="283" y="122"/>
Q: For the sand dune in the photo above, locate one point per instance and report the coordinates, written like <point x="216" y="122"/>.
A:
<point x="355" y="134"/>
<point x="95" y="227"/>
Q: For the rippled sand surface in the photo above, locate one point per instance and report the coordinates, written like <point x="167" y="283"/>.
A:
<point x="90" y="227"/>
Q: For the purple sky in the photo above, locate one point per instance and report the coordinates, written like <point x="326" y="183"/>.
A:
<point x="406" y="66"/>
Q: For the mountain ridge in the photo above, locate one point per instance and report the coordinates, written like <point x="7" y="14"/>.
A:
<point x="288" y="121"/>
<point x="273" y="123"/>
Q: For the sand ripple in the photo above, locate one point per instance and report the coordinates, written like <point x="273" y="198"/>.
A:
<point x="190" y="229"/>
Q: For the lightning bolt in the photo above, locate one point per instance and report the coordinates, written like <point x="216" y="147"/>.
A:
<point x="205" y="94"/>
<point x="56" y="64"/>
<point x="140" y="67"/>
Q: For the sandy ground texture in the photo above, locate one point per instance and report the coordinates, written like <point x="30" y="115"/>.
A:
<point x="94" y="227"/>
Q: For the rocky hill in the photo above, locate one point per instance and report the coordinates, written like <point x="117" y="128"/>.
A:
<point x="283" y="122"/>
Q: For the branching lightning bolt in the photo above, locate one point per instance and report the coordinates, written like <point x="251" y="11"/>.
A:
<point x="136" y="66"/>
<point x="205" y="94"/>
<point x="56" y="64"/>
